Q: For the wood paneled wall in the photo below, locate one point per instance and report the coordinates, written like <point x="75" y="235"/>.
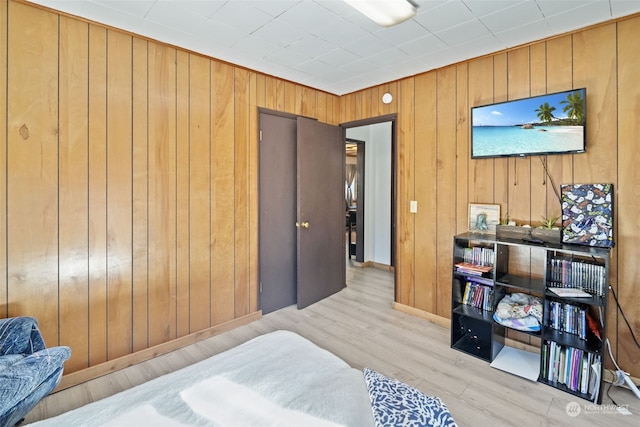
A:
<point x="128" y="180"/>
<point x="434" y="165"/>
<point x="128" y="183"/>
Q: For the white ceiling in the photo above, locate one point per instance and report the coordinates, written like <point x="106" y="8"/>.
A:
<point x="328" y="45"/>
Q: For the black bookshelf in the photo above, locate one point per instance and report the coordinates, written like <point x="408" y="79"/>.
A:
<point x="532" y="269"/>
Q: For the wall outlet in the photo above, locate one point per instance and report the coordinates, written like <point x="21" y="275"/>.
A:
<point x="413" y="206"/>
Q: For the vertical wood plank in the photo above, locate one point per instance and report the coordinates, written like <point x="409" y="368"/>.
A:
<point x="241" y="184"/>
<point x="405" y="276"/>
<point x="74" y="186"/>
<point x="140" y="206"/>
<point x="270" y="93"/>
<point x="183" y="128"/>
<point x="4" y="307"/>
<point x="222" y="194"/>
<point x="32" y="156"/>
<point x="97" y="194"/>
<point x="538" y="79"/>
<point x="280" y="95"/>
<point x="627" y="202"/>
<point x="520" y="169"/>
<point x="500" y="166"/>
<point x="199" y="169"/>
<point x="461" y="164"/>
<point x="309" y="101"/>
<point x="119" y="311"/>
<point x="559" y="78"/>
<point x="291" y="104"/>
<point x="426" y="185"/>
<point x="162" y="193"/>
<point x="321" y="108"/>
<point x="256" y="91"/>
<point x="600" y="79"/>
<point x="337" y="113"/>
<point x="481" y="186"/>
<point x="445" y="170"/>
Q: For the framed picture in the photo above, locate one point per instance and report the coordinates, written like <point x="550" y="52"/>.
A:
<point x="587" y="214"/>
<point x="483" y="218"/>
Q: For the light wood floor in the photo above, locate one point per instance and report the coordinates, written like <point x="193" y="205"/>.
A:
<point x="359" y="325"/>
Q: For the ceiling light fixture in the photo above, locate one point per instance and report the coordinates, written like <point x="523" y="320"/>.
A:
<point x="385" y="12"/>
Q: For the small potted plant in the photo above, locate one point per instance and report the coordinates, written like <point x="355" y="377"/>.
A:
<point x="547" y="230"/>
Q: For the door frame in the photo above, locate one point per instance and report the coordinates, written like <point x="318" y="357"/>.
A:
<point x="394" y="178"/>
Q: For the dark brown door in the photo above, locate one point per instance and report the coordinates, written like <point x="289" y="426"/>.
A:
<point x="320" y="213"/>
<point x="277" y="201"/>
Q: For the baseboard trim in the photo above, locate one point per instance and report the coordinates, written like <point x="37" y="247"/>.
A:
<point x="433" y="318"/>
<point x="373" y="264"/>
<point x="92" y="372"/>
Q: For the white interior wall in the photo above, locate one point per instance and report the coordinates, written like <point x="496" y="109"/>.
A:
<point x="377" y="189"/>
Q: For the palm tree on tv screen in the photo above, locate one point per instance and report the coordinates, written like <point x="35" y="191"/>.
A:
<point x="574" y="107"/>
<point x="545" y="112"/>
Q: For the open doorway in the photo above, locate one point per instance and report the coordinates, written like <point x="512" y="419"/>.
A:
<point x="375" y="208"/>
<point x="354" y="198"/>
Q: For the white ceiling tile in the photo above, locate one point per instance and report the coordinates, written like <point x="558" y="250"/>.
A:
<point x="311" y="46"/>
<point x="160" y="32"/>
<point x="242" y="16"/>
<point x="286" y="58"/>
<point x="359" y="66"/>
<point x="524" y="34"/>
<point x="623" y="7"/>
<point x="486" y="7"/>
<point x="587" y="14"/>
<point x="426" y="5"/>
<point x="313" y="66"/>
<point x="100" y="13"/>
<point x="388" y="57"/>
<point x="309" y="16"/>
<point x="366" y="45"/>
<point x="340" y="32"/>
<point x="272" y="7"/>
<point x="282" y="35"/>
<point x="446" y="15"/>
<point x="171" y="14"/>
<point x="255" y="46"/>
<point x="423" y="45"/>
<point x="218" y="33"/>
<point x="511" y="17"/>
<point x="328" y="45"/>
<point x="459" y="34"/>
<point x="402" y="33"/>
<point x="555" y="7"/>
<point x="336" y="74"/>
<point x="138" y="8"/>
<point x="338" y="57"/>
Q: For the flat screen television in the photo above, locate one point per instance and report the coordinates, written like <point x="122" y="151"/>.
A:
<point x="554" y="123"/>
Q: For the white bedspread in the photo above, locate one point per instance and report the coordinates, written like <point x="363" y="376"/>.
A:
<point x="278" y="379"/>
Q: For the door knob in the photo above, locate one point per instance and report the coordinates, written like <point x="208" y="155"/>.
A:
<point x="303" y="224"/>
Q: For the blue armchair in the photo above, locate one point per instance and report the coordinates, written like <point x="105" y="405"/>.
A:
<point x="28" y="370"/>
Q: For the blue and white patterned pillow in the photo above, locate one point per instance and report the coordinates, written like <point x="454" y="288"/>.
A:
<point x="395" y="403"/>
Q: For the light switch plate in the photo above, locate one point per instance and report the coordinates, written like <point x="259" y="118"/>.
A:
<point x="413" y="206"/>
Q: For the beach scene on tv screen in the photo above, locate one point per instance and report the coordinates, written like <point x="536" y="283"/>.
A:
<point x="546" y="124"/>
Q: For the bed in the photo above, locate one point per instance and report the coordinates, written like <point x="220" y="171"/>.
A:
<point x="277" y="379"/>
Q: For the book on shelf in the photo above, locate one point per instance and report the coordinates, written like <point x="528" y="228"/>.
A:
<point x="476" y="269"/>
<point x="576" y="369"/>
<point x="479" y="255"/>
<point x="570" y="318"/>
<point x="477" y="295"/>
<point x="578" y="274"/>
